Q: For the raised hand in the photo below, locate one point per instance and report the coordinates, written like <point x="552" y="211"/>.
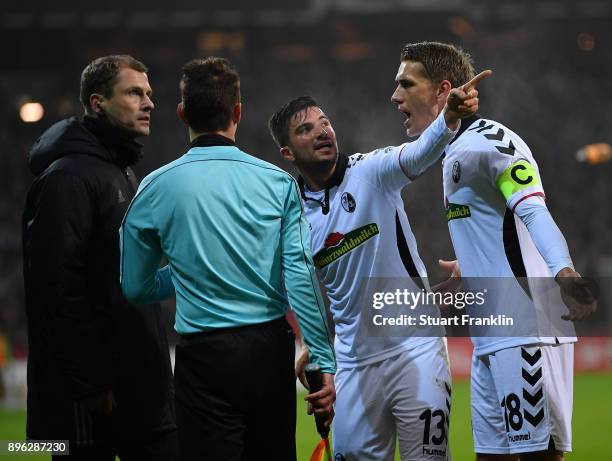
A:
<point x="463" y="101"/>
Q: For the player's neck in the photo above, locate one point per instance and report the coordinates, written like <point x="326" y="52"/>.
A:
<point x="317" y="178"/>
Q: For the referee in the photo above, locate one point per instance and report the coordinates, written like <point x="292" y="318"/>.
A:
<point x="238" y="248"/>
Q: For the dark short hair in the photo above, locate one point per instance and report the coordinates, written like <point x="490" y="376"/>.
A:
<point x="102" y="74"/>
<point x="210" y="89"/>
<point x="442" y="61"/>
<point x="279" y="122"/>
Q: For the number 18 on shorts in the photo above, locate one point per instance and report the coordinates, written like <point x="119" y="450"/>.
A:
<point x="522" y="399"/>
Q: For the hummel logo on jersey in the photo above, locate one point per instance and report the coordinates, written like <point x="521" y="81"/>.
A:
<point x="454" y="211"/>
<point x="498" y="136"/>
<point x="482" y="126"/>
<point x="338" y="244"/>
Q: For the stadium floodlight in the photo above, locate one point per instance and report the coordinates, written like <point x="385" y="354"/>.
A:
<point x="594" y="154"/>
<point x="31" y="112"/>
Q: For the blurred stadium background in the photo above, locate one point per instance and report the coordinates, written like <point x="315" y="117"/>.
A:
<point x="552" y="62"/>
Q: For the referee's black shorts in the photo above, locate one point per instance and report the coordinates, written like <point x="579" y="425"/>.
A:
<point x="235" y="393"/>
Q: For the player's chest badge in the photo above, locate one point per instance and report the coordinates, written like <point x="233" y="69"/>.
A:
<point x="348" y="202"/>
<point x="456" y="171"/>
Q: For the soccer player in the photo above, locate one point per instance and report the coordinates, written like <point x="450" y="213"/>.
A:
<point x="386" y="386"/>
<point x="521" y="388"/>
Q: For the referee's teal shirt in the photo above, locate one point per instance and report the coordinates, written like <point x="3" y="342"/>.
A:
<point x="233" y="230"/>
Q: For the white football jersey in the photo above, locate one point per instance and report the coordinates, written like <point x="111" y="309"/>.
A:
<point x="487" y="171"/>
<point x="359" y="231"/>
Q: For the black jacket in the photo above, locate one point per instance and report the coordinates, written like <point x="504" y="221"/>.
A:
<point x="84" y="338"/>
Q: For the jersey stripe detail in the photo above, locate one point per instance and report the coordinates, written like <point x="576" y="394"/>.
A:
<point x="527" y="196"/>
<point x="512" y="247"/>
<point x="399" y="160"/>
<point x="404" y="251"/>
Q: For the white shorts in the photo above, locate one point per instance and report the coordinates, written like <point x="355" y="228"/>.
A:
<point x="407" y="396"/>
<point x="522" y="399"/>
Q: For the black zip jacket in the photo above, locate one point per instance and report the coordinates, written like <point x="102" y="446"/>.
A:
<point x="84" y="338"/>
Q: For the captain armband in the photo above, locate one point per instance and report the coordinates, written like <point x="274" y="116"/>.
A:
<point x="517" y="177"/>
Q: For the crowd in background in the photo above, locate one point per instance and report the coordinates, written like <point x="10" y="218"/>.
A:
<point x="549" y="85"/>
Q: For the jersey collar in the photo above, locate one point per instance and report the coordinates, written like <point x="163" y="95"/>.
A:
<point x="465" y="124"/>
<point x="335" y="180"/>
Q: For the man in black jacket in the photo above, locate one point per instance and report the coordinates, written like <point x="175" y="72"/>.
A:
<point x="99" y="371"/>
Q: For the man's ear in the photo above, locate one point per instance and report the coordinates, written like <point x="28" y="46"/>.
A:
<point x="237" y="113"/>
<point x="180" y="111"/>
<point x="96" y="102"/>
<point x="443" y="90"/>
<point x="287" y="154"/>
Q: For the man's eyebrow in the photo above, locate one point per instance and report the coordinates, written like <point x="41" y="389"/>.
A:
<point x="405" y="81"/>
<point x="302" y="126"/>
<point x="141" y="89"/>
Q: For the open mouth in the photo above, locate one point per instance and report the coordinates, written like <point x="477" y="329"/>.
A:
<point x="323" y="145"/>
<point x="408" y="115"/>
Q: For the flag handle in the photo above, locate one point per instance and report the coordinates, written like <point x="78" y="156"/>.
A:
<point x="315" y="383"/>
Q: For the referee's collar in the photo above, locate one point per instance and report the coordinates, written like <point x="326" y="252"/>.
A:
<point x="209" y="140"/>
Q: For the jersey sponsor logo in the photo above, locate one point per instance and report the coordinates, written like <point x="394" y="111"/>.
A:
<point x="338" y="244"/>
<point x="455" y="211"/>
<point x="333" y="239"/>
<point x="348" y="202"/>
<point x="456" y="171"/>
<point x="517" y="177"/>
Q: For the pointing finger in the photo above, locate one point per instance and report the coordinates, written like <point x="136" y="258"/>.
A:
<point x="476" y="80"/>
